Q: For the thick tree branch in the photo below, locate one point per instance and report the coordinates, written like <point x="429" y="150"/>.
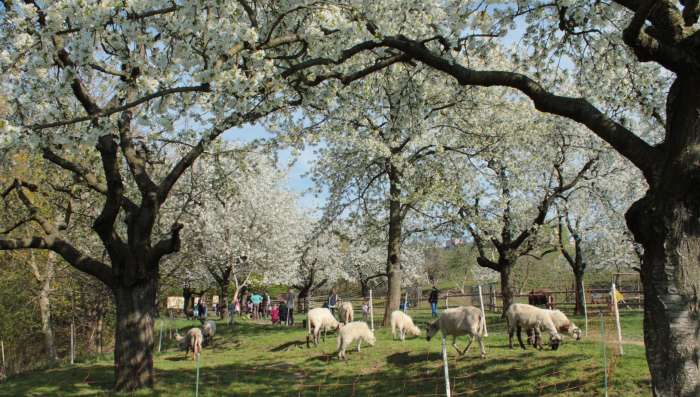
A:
<point x="640" y="153"/>
<point x="167" y="246"/>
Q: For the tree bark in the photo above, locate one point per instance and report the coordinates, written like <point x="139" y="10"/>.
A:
<point x="46" y="326"/>
<point x="665" y="222"/>
<point x="507" y="291"/>
<point x="223" y="300"/>
<point x="133" y="350"/>
<point x="393" y="265"/>
<point x="578" y="286"/>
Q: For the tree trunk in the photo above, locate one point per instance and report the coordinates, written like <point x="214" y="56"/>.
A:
<point x="578" y="286"/>
<point x="665" y="222"/>
<point x="223" y="300"/>
<point x="393" y="265"/>
<point x="507" y="292"/>
<point x="188" y="296"/>
<point x="46" y="327"/>
<point x="133" y="350"/>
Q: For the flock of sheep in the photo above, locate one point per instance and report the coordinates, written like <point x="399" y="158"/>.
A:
<point x="458" y="321"/>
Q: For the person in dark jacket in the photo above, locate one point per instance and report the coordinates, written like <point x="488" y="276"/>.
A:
<point x="333" y="301"/>
<point x="433" y="299"/>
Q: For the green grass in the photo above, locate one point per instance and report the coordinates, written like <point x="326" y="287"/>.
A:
<point x="264" y="360"/>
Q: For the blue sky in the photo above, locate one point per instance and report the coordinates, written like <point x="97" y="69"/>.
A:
<point x="296" y="181"/>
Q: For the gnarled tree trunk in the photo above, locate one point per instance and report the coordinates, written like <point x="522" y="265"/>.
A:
<point x="666" y="222"/>
<point x="507" y="289"/>
<point x="393" y="264"/>
<point x="133" y="349"/>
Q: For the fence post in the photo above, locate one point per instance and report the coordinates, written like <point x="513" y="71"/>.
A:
<point x="605" y="353"/>
<point x="160" y="338"/>
<point x="371" y="311"/>
<point x="72" y="343"/>
<point x="405" y="303"/>
<point x="447" y="372"/>
<point x="447" y="300"/>
<point x="493" y="299"/>
<point x="196" y="387"/>
<point x="483" y="313"/>
<point x="585" y="308"/>
<point x="617" y="318"/>
<point x="2" y="349"/>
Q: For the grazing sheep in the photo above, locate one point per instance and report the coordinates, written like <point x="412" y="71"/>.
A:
<point x="563" y="325"/>
<point x="404" y="324"/>
<point x="520" y="315"/>
<point x="458" y="321"/>
<point x="320" y="319"/>
<point x="191" y="341"/>
<point x="354" y="331"/>
<point x="345" y="312"/>
<point x="208" y="331"/>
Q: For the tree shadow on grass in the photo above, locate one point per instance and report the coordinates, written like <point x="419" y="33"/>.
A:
<point x="289" y="346"/>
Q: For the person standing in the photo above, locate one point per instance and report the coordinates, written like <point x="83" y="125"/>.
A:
<point x="291" y="300"/>
<point x="333" y="301"/>
<point x="231" y="312"/>
<point x="433" y="299"/>
<point x="257" y="300"/>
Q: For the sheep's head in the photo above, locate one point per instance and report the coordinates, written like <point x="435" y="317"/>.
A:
<point x="555" y="341"/>
<point x="432" y="329"/>
<point x="576" y="332"/>
<point x="413" y="330"/>
<point x="178" y="337"/>
<point x="371" y="340"/>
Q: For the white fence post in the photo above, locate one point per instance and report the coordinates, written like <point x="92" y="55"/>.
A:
<point x="371" y="311"/>
<point x="2" y="349"/>
<point x="448" y="392"/>
<point x="617" y="318"/>
<point x="160" y="338"/>
<point x="72" y="343"/>
<point x="585" y="308"/>
<point x="483" y="313"/>
<point x="405" y="303"/>
<point x="605" y="352"/>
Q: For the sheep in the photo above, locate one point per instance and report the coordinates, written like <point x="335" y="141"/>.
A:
<point x="191" y="341"/>
<point x="458" y="321"/>
<point x="404" y="324"/>
<point x="563" y="325"/>
<point x="354" y="331"/>
<point x="208" y="331"/>
<point x="520" y="315"/>
<point x="346" y="312"/>
<point x="320" y="319"/>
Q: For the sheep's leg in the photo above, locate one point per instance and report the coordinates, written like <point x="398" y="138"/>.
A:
<point x="469" y="344"/>
<point x="454" y="344"/>
<point x="538" y="338"/>
<point x="359" y="342"/>
<point x="481" y="346"/>
<point x="520" y="338"/>
<point x="510" y="337"/>
<point x="403" y="334"/>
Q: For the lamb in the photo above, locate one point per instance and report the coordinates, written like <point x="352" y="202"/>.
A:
<point x="404" y="324"/>
<point x="208" y="331"/>
<point x="191" y="341"/>
<point x="351" y="332"/>
<point x="320" y="319"/>
<point x="458" y="321"/>
<point x="346" y="312"/>
<point x="520" y="315"/>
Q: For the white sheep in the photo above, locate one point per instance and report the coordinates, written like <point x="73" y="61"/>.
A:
<point x="458" y="321"/>
<point x="520" y="315"/>
<point x="208" y="332"/>
<point x="403" y="323"/>
<point x="354" y="331"/>
<point x="346" y="312"/>
<point x="320" y="319"/>
<point x="563" y="324"/>
<point x="191" y="341"/>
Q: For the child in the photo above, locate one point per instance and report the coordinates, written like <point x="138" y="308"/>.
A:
<point x="275" y="314"/>
<point x="365" y="310"/>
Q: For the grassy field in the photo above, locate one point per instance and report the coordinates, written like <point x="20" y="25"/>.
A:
<point x="254" y="359"/>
